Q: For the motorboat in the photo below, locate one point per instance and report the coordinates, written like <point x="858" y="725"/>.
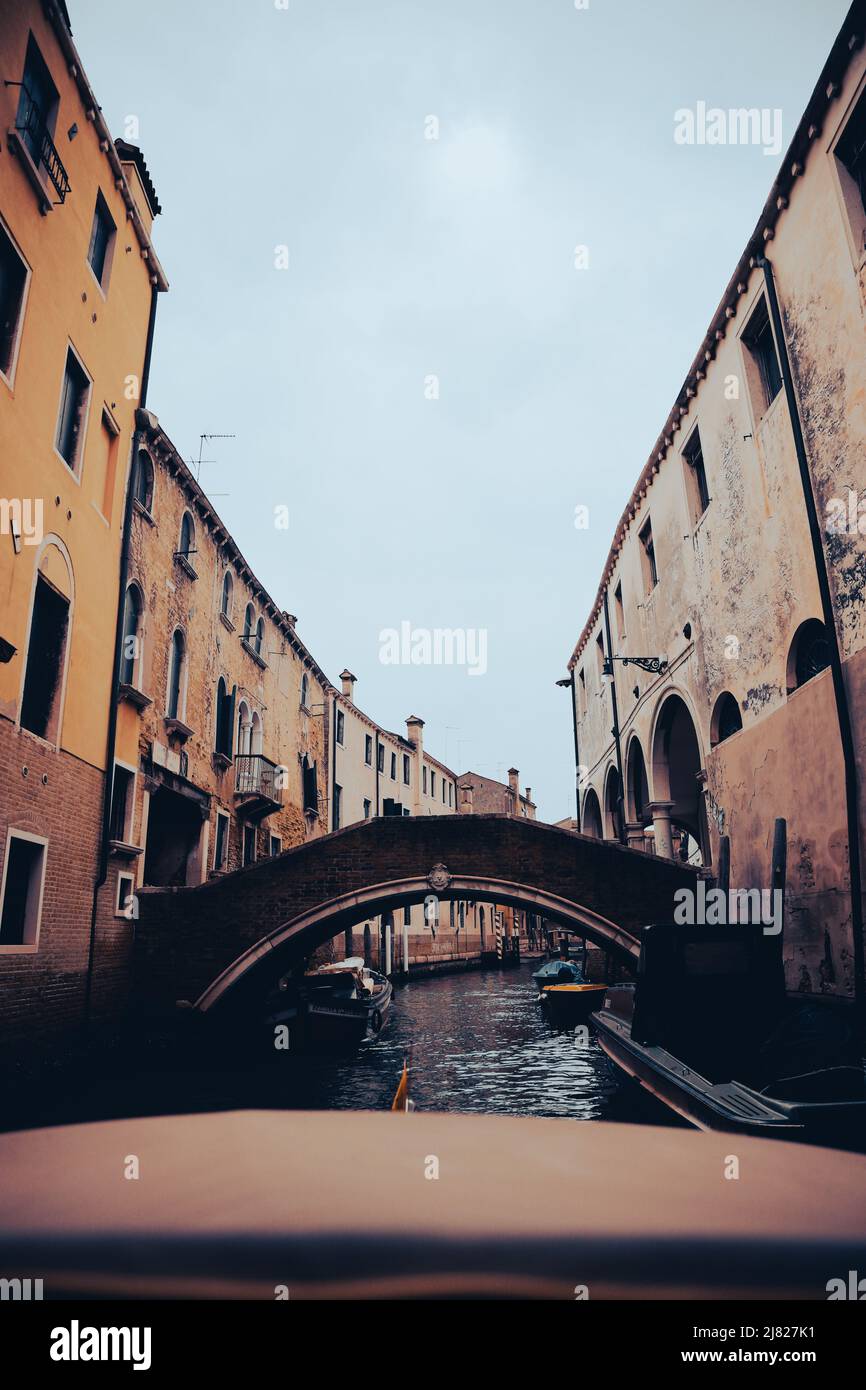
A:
<point x="339" y="1004"/>
<point x="570" y="1004"/>
<point x="558" y="972"/>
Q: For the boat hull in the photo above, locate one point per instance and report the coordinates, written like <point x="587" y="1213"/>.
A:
<point x="729" y="1107"/>
<point x="568" y="1005"/>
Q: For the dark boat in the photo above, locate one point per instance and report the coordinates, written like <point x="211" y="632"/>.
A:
<point x="570" y="1004"/>
<point x="336" y="1005"/>
<point x="709" y="1031"/>
<point x="558" y="972"/>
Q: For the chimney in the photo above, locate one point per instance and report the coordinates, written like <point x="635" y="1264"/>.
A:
<point x="466" y="803"/>
<point x="348" y="684"/>
<point x="290" y="618"/>
<point x="528" y="793"/>
<point x="514" y="788"/>
<point x="414" y="725"/>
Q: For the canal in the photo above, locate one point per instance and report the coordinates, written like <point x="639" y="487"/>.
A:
<point x="479" y="1043"/>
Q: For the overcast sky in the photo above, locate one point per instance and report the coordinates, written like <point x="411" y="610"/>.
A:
<point x="409" y="257"/>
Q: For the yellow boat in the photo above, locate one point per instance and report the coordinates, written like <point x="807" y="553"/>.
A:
<point x="571" y="1004"/>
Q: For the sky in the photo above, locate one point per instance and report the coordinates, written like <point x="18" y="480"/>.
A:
<point x="371" y="210"/>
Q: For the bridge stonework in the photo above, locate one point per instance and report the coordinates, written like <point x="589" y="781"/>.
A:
<point x="257" y="922"/>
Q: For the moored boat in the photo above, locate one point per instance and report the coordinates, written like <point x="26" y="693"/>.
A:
<point x="335" y="1005"/>
<point x="708" y="1031"/>
<point x="558" y="972"/>
<point x="570" y="1004"/>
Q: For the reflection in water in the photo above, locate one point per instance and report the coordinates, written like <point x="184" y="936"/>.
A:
<point x="479" y="1042"/>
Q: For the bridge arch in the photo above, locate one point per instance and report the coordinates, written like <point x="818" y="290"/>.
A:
<point x="225" y="938"/>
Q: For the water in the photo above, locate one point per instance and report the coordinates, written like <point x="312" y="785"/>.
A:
<point x="479" y="1040"/>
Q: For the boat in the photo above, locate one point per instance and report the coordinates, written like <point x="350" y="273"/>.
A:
<point x="558" y="972"/>
<point x="570" y="1004"/>
<point x="709" y="1031"/>
<point x="336" y="1005"/>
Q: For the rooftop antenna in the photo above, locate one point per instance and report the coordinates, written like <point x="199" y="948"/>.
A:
<point x="201" y="439"/>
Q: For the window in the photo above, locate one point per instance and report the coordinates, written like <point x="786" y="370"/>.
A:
<point x="406" y="766"/>
<point x="101" y="250"/>
<point x="338" y="805"/>
<point x="444" y="785"/>
<point x="221" y="842"/>
<point x="424" y="777"/>
<point x="407" y="916"/>
<point x="120" y="822"/>
<point x="124" y="902"/>
<point x="380" y="757"/>
<point x="275" y="846"/>
<point x="131" y="650"/>
<point x="225" y="719"/>
<point x="696" y="476"/>
<point x="23" y="880"/>
<point x="726" y="719"/>
<point x="260" y="636"/>
<point x="450" y="793"/>
<point x="393" y="767"/>
<point x="108" y="436"/>
<point x="249" y="622"/>
<point x="648" y="557"/>
<point x="72" y="420"/>
<point x="341" y="727"/>
<point x="174" y="706"/>
<point x="368" y="807"/>
<point x="227" y="595"/>
<point x="305" y="691"/>
<point x="619" y="612"/>
<point x="249" y="845"/>
<point x="599" y="656"/>
<point x="368" y="750"/>
<point x="809" y="654"/>
<point x="14" y="275"/>
<point x="762" y="362"/>
<point x="432" y="782"/>
<point x="186" y="547"/>
<point x="143" y="485"/>
<point x="46" y="661"/>
<point x="850" y="155"/>
<point x="311" y="788"/>
<point x="37" y="104"/>
<point x="581" y="693"/>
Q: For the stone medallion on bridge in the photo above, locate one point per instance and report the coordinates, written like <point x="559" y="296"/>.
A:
<point x="439" y="878"/>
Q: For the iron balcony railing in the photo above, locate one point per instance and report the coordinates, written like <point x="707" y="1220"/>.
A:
<point x="256" y="775"/>
<point x="42" y="148"/>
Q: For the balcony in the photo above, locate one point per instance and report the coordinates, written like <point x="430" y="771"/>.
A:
<point x="37" y="150"/>
<point x="257" y="789"/>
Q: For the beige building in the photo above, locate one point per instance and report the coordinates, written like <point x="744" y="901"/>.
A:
<point x="755" y="622"/>
<point x="223" y="712"/>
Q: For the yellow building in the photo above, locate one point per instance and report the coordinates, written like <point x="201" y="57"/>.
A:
<point x="78" y="284"/>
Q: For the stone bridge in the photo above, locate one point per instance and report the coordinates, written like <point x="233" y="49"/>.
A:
<point x="233" y="934"/>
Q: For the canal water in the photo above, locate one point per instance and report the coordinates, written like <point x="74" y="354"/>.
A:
<point x="479" y="1041"/>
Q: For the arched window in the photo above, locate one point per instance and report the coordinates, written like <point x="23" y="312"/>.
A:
<point x="131" y="652"/>
<point x="245" y="729"/>
<point x="174" y="707"/>
<point x="305" y="690"/>
<point x="143" y="486"/>
<point x="260" y="636"/>
<point x="224" y="719"/>
<point x="809" y="654"/>
<point x="249" y="622"/>
<point x="48" y="644"/>
<point x="726" y="719"/>
<point x="187" y="536"/>
<point x="256" y="733"/>
<point x="228" y="591"/>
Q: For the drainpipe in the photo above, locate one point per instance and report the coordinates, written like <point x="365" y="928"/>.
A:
<point x="334" y="760"/>
<point x="111" y="742"/>
<point x="840" y="693"/>
<point x="576" y="748"/>
<point x="615" y="729"/>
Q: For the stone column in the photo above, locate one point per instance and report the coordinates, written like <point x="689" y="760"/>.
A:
<point x="661" y="814"/>
<point x="634" y="835"/>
